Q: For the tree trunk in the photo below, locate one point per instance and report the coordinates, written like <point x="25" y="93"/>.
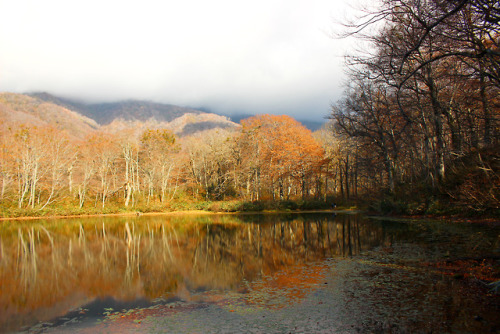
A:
<point x="128" y="192"/>
<point x="341" y="181"/>
<point x="346" y="177"/>
<point x="438" y="128"/>
<point x="486" y="111"/>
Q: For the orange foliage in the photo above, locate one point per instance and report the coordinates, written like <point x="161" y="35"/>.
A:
<point x="281" y="148"/>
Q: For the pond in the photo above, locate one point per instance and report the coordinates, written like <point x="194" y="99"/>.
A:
<point x="255" y="273"/>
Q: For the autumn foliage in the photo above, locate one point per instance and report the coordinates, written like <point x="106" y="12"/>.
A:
<point x="281" y="153"/>
<point x="421" y="105"/>
<point x="269" y="157"/>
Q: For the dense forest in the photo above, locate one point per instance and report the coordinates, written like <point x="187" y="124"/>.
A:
<point x="416" y="131"/>
<point x="420" y="110"/>
<point x="267" y="158"/>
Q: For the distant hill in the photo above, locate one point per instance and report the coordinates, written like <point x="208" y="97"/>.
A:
<point x="141" y="115"/>
<point x="17" y="109"/>
<point x="130" y="110"/>
<point x="312" y="125"/>
<point x="80" y="118"/>
<point x="184" y="125"/>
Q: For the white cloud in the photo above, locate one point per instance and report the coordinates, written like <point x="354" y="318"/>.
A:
<point x="258" y="56"/>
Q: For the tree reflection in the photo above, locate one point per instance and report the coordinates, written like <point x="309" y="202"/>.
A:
<point x="48" y="268"/>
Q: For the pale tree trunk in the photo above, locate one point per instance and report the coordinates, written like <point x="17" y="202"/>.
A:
<point x="81" y="195"/>
<point x="33" y="184"/>
<point x="70" y="179"/>
<point x="165" y="180"/>
<point x="128" y="192"/>
<point x="129" y="171"/>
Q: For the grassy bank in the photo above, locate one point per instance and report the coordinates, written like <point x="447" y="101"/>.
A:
<point x="416" y="205"/>
<point x="177" y="206"/>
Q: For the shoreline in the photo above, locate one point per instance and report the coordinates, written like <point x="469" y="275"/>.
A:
<point x="458" y="219"/>
<point x="175" y="213"/>
<point x="124" y="214"/>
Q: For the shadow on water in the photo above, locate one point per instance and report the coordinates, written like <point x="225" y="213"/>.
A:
<point x="83" y="273"/>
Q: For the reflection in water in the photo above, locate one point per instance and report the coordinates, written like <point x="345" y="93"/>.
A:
<point x="48" y="268"/>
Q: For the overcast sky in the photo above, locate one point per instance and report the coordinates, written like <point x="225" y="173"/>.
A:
<point x="260" y="56"/>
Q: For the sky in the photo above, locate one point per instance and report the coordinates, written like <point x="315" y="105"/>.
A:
<point x="231" y="56"/>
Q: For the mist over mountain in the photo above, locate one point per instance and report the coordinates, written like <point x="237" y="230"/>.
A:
<point x="129" y="110"/>
<point x="79" y="119"/>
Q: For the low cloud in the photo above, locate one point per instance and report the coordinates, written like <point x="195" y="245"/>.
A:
<point x="255" y="57"/>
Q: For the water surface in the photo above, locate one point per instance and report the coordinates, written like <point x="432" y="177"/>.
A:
<point x="248" y="273"/>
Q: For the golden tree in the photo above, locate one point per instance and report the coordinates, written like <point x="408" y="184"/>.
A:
<point x="279" y="155"/>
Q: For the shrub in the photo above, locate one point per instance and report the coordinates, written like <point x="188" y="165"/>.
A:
<point x="252" y="206"/>
<point x="287" y="205"/>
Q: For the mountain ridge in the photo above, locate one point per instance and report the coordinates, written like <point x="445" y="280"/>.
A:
<point x="129" y="110"/>
<point x="80" y="119"/>
<point x="106" y="112"/>
<point x="20" y="109"/>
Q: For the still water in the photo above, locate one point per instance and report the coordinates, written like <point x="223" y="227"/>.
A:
<point x="247" y="273"/>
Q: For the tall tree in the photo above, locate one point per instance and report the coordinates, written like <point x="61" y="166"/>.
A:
<point x="106" y="152"/>
<point x="282" y="152"/>
<point x="211" y="162"/>
<point x="424" y="94"/>
<point x="60" y="156"/>
<point x="156" y="151"/>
